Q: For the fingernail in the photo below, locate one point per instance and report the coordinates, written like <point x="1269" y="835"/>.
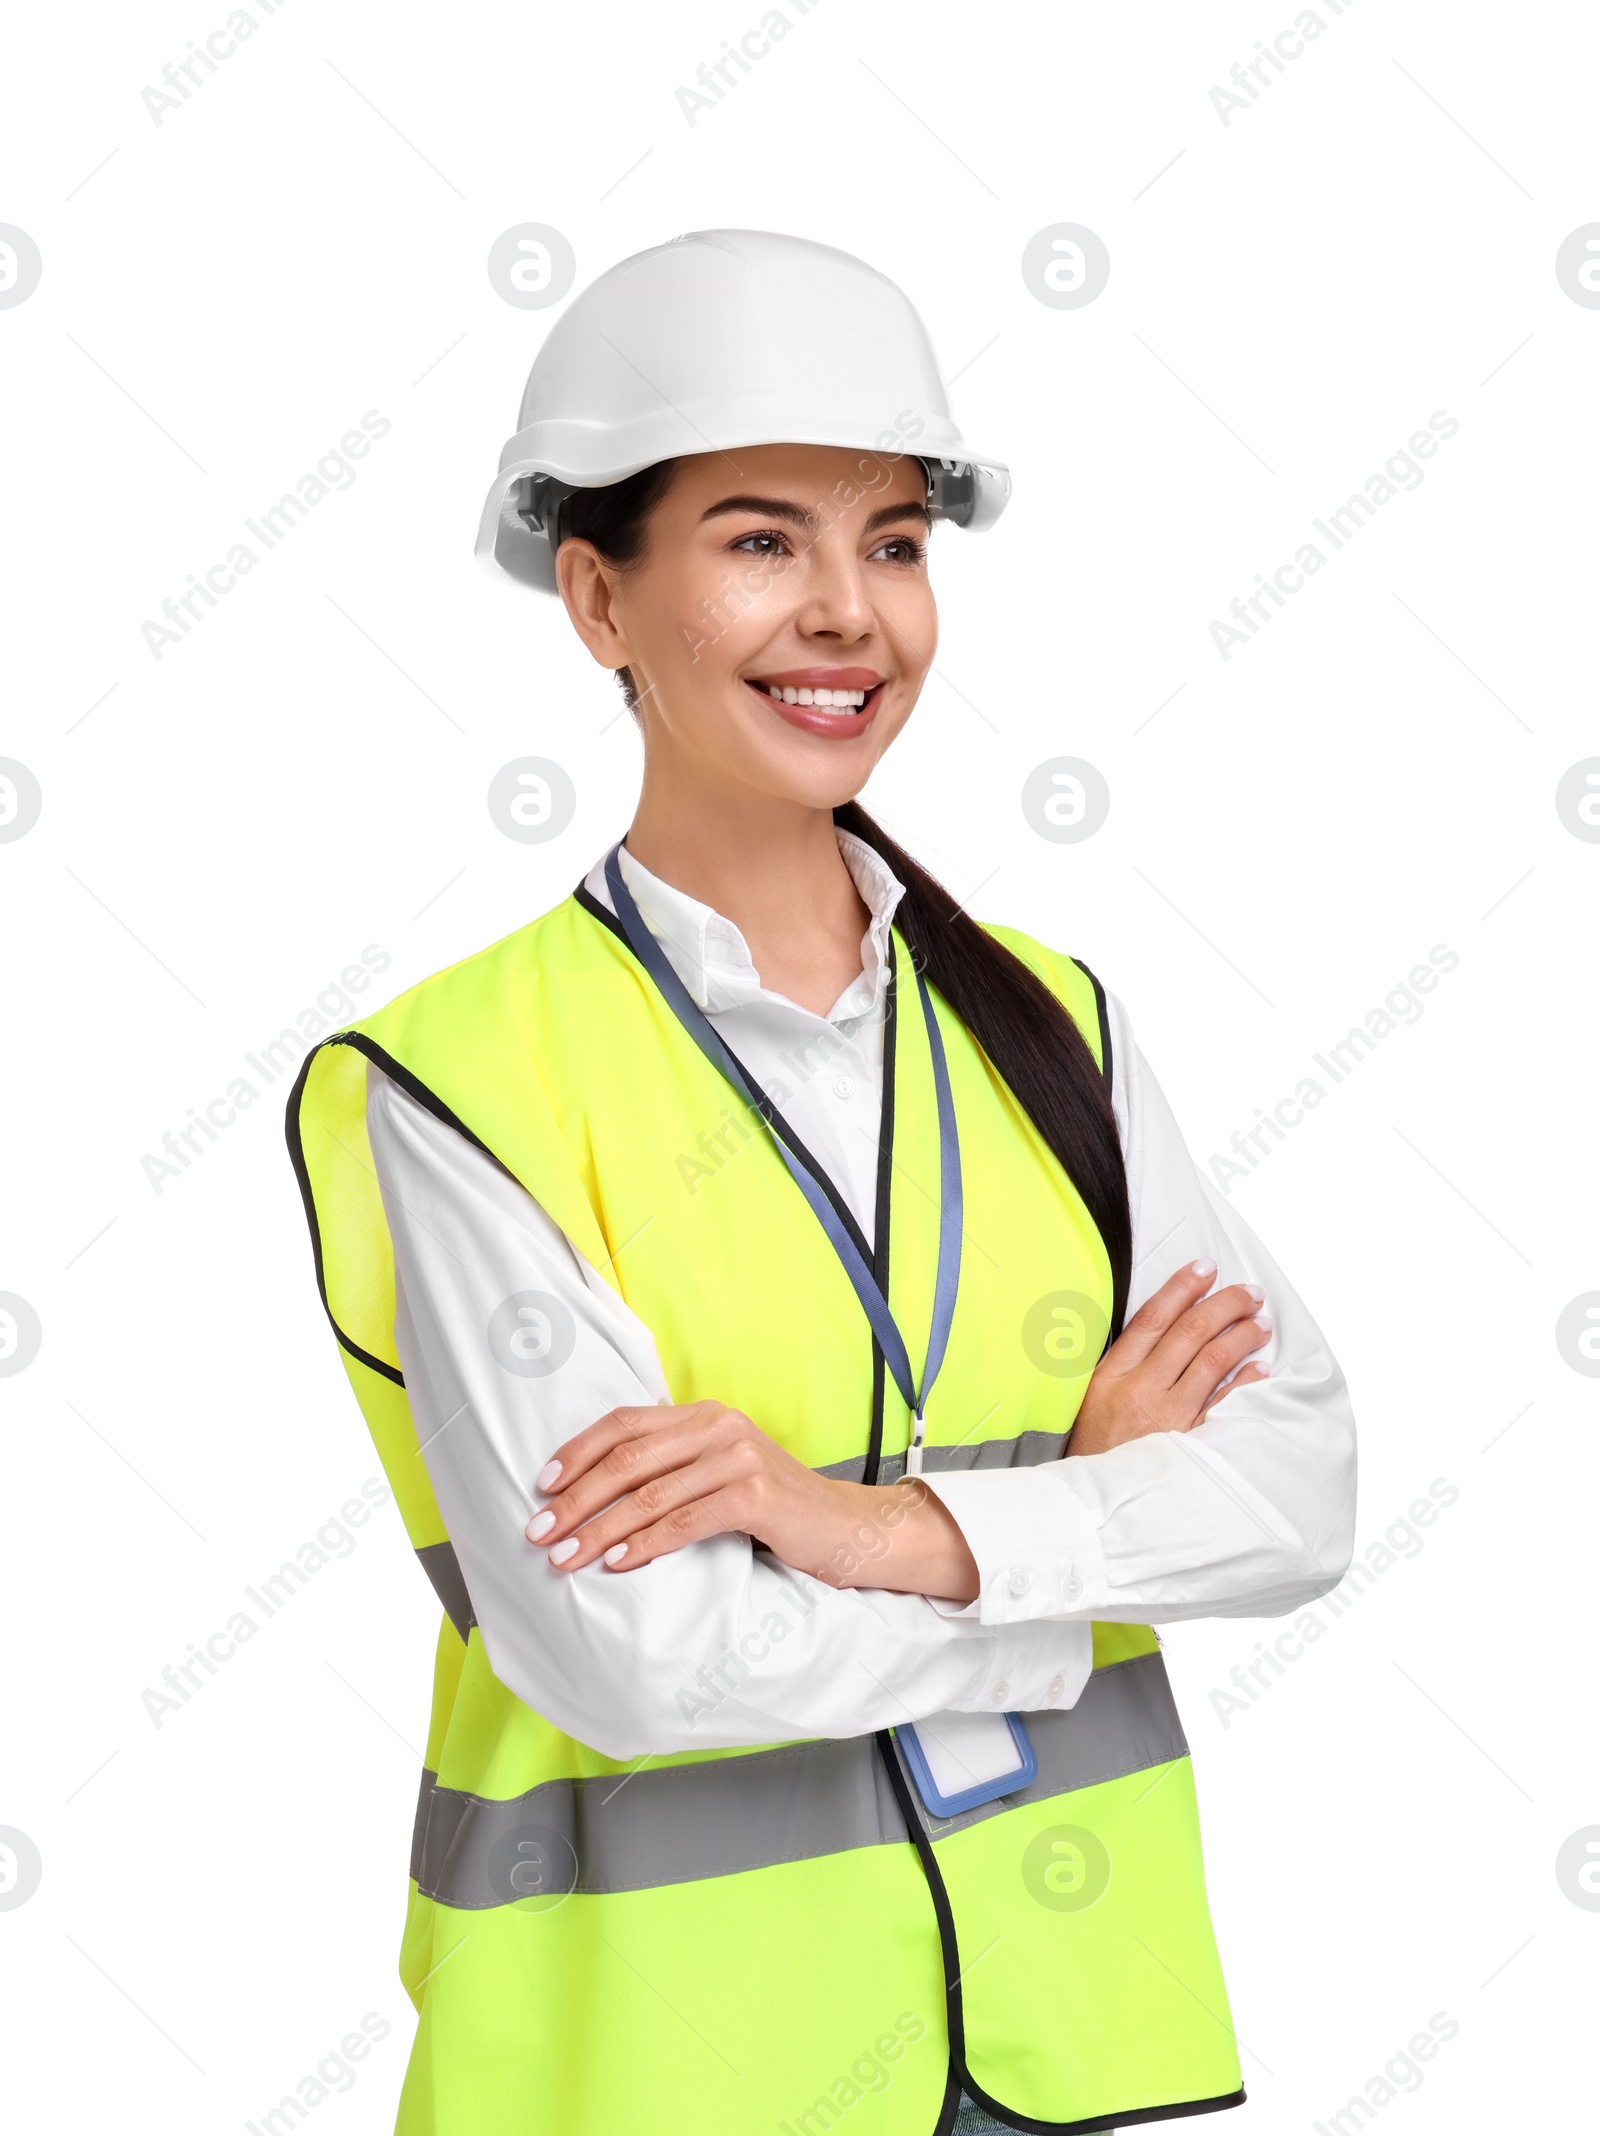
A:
<point x="616" y="1554"/>
<point x="541" y="1524"/>
<point x="1254" y="1292"/>
<point x="547" y="1476"/>
<point x="1263" y="1323"/>
<point x="1202" y="1268"/>
<point x="562" y="1551"/>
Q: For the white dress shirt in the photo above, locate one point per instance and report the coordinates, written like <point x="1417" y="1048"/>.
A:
<point x="718" y="1645"/>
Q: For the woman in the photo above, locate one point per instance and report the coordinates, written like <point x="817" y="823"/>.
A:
<point x="720" y="1262"/>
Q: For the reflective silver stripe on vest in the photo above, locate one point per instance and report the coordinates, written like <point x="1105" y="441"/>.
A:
<point x="443" y="1567"/>
<point x="677" y="1824"/>
<point x="1026" y="1450"/>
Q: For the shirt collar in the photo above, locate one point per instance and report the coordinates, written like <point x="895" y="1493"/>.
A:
<point x="711" y="956"/>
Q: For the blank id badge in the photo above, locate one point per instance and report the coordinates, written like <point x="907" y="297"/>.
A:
<point x="960" y="1760"/>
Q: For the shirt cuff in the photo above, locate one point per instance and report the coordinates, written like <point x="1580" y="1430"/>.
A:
<point x="1040" y="1667"/>
<point x="1033" y="1540"/>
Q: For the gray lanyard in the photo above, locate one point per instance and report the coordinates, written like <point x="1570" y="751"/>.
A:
<point x="876" y="1306"/>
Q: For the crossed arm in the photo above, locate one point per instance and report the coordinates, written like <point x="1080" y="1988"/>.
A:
<point x="1211" y="1473"/>
<point x="639" y="1483"/>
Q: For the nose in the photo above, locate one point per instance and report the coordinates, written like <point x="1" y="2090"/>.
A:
<point x="836" y="602"/>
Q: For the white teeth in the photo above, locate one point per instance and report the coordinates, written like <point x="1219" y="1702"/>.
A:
<point x="832" y="700"/>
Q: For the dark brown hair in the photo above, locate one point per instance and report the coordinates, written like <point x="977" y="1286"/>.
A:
<point x="614" y="519"/>
<point x="1032" y="1040"/>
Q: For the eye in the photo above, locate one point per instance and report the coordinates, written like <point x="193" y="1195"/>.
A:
<point x="911" y="551"/>
<point x="767" y="542"/>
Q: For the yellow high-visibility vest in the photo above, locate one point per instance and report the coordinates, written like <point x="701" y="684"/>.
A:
<point x="782" y="1938"/>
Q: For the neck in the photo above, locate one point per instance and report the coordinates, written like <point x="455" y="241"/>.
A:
<point x="770" y="865"/>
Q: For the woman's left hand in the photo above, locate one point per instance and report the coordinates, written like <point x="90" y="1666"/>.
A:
<point x="639" y="1483"/>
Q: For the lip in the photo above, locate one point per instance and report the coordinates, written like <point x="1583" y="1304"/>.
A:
<point x="821" y="678"/>
<point x="815" y="719"/>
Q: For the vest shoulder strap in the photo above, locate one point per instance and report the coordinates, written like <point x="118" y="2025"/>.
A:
<point x="471" y="1041"/>
<point x="467" y="1043"/>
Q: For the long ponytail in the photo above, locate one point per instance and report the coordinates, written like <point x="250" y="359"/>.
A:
<point x="1035" y="1045"/>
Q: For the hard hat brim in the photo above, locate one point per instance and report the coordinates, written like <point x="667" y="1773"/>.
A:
<point x="969" y="491"/>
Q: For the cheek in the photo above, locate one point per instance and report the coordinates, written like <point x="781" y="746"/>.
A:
<point x="709" y="619"/>
<point x="720" y="632"/>
<point x="910" y="619"/>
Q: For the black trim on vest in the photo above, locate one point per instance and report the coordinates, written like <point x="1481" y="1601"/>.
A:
<point x="952" y="2102"/>
<point x="1127" y="2118"/>
<point x="1105" y="1020"/>
<point x="955" y="2015"/>
<point x="590" y="903"/>
<point x="381" y="1058"/>
<point x="1107" y="1067"/>
<point x="961" y="2077"/>
<point x="917" y="1833"/>
<point x="297" y="1157"/>
<point x="413" y="1087"/>
<point x="438" y="1560"/>
<point x="880" y="1221"/>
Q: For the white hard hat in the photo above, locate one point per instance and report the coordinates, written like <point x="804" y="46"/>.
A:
<point x="719" y="339"/>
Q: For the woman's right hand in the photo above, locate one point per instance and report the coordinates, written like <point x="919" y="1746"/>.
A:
<point x="1167" y="1366"/>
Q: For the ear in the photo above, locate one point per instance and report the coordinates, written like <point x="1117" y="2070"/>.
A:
<point x="587" y="586"/>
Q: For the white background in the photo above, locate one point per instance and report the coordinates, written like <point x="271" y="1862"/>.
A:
<point x="1291" y="296"/>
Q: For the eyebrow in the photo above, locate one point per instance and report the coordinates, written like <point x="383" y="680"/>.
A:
<point x="798" y="516"/>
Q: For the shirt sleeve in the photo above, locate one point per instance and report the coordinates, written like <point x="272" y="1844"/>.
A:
<point x="510" y="1342"/>
<point x="1250" y="1514"/>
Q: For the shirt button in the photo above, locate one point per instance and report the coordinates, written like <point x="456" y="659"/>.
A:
<point x="1074" y="1588"/>
<point x="843" y="1085"/>
<point x="1000" y="1693"/>
<point x="1020" y="1581"/>
<point x="1057" y="1687"/>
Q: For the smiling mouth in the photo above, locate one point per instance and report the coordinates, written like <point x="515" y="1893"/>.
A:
<point x="848" y="706"/>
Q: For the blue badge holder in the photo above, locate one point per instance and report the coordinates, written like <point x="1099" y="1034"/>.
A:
<point x="941" y="1803"/>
